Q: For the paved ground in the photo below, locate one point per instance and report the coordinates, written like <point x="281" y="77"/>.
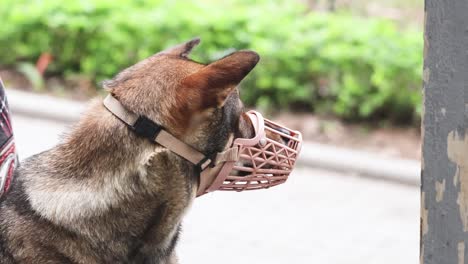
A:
<point x="316" y="217"/>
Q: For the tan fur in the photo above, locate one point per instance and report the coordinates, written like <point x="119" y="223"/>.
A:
<point x="105" y="195"/>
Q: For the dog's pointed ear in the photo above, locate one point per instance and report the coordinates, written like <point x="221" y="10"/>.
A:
<point x="182" y="50"/>
<point x="217" y="80"/>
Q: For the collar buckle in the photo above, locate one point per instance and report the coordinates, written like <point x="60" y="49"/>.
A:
<point x="144" y="127"/>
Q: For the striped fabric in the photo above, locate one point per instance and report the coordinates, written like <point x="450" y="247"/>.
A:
<point x="8" y="158"/>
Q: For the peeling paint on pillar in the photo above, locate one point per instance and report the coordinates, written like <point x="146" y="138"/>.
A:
<point x="440" y="189"/>
<point x="461" y="252"/>
<point x="424" y="226"/>
<point x="444" y="171"/>
<point x="457" y="146"/>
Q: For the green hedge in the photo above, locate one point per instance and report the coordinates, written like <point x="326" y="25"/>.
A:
<point x="356" y="68"/>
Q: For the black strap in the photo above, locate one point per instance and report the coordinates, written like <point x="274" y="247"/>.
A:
<point x="198" y="166"/>
<point x="144" y="127"/>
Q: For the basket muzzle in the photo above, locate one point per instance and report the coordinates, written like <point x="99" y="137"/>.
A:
<point x="260" y="162"/>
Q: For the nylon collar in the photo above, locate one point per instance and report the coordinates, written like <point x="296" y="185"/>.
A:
<point x="147" y="128"/>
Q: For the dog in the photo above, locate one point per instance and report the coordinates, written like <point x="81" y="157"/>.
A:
<point x="106" y="195"/>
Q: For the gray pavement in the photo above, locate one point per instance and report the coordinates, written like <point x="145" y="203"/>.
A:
<point x="316" y="217"/>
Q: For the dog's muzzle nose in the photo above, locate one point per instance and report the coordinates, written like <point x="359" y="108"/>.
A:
<point x="284" y="131"/>
<point x="264" y="160"/>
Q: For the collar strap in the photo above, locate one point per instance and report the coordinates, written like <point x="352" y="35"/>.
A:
<point x="144" y="127"/>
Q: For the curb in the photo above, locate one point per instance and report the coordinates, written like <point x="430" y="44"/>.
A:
<point x="312" y="155"/>
<point x="44" y="106"/>
<point x="362" y="163"/>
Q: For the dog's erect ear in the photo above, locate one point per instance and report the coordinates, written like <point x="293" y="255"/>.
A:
<point x="182" y="50"/>
<point x="217" y="80"/>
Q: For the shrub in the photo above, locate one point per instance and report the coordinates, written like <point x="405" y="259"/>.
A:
<point x="356" y="68"/>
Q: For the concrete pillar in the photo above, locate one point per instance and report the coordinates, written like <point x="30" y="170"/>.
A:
<point x="444" y="189"/>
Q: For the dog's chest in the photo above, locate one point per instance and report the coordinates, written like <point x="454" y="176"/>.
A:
<point x="153" y="220"/>
<point x="145" y="230"/>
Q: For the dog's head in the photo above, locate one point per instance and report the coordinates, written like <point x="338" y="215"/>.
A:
<point x="198" y="103"/>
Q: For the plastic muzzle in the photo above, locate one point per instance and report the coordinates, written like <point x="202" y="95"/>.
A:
<point x="260" y="162"/>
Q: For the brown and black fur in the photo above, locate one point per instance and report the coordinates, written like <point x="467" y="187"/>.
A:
<point x="104" y="195"/>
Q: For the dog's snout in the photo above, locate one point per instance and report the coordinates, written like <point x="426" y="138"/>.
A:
<point x="277" y="137"/>
<point x="282" y="130"/>
<point x="284" y="140"/>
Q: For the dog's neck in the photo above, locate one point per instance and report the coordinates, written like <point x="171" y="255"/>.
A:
<point x="100" y="142"/>
<point x="92" y="169"/>
<point x="102" y="171"/>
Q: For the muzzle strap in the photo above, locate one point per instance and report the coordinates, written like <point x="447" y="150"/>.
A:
<point x="147" y="128"/>
<point x="181" y="148"/>
<point x="118" y="110"/>
<point x="229" y="155"/>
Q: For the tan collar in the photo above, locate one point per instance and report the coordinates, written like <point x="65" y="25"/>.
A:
<point x="154" y="132"/>
<point x="144" y="127"/>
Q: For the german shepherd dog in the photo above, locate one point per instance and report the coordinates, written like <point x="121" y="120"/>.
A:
<point x="105" y="195"/>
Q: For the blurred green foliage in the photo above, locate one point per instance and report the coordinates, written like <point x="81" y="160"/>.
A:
<point x="356" y="68"/>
